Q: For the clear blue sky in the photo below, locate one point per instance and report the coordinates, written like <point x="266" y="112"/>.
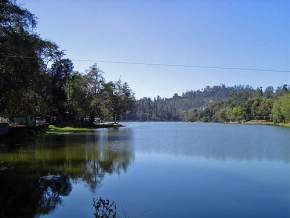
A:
<point x="245" y="33"/>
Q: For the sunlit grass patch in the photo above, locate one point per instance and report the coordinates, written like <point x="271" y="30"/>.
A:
<point x="67" y="129"/>
<point x="264" y="122"/>
<point x="284" y="125"/>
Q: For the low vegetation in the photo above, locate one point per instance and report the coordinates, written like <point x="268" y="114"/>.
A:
<point x="54" y="129"/>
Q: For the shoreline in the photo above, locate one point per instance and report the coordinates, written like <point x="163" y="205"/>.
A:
<point x="250" y="122"/>
<point x="261" y="122"/>
<point x="53" y="129"/>
<point x="22" y="132"/>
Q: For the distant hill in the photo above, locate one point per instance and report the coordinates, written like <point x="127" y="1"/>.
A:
<point x="180" y="107"/>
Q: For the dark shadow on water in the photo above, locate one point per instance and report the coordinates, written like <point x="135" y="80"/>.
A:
<point x="35" y="178"/>
<point x="104" y="208"/>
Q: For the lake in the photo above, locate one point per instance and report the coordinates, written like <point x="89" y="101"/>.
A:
<point x="161" y="169"/>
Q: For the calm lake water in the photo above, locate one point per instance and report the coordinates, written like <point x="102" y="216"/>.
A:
<point x="167" y="170"/>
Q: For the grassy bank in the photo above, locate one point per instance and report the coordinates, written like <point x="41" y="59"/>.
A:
<point x="263" y="122"/>
<point x="21" y="134"/>
<point x="255" y="122"/>
<point x="259" y="122"/>
<point x="55" y="129"/>
<point x="287" y="125"/>
<point x="52" y="129"/>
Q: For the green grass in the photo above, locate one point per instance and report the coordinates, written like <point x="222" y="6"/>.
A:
<point x="287" y="125"/>
<point x="264" y="122"/>
<point x="54" y="129"/>
<point x="259" y="122"/>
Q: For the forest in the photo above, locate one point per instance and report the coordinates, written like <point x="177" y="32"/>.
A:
<point x="218" y="104"/>
<point x="36" y="79"/>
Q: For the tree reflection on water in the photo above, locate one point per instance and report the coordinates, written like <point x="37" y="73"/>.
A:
<point x="105" y="208"/>
<point x="34" y="179"/>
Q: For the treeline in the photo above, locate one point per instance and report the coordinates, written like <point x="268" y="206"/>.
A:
<point x="218" y="104"/>
<point x="255" y="105"/>
<point x="37" y="80"/>
<point x="174" y="109"/>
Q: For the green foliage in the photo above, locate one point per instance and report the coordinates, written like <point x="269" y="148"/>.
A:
<point x="261" y="108"/>
<point x="237" y="113"/>
<point x="23" y="59"/>
<point x="55" y="129"/>
<point x="36" y="79"/>
<point x="212" y="104"/>
<point x="281" y="109"/>
<point x="91" y="97"/>
<point x="222" y="115"/>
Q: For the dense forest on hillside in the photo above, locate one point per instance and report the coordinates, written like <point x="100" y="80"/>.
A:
<point x="218" y="104"/>
<point x="36" y="79"/>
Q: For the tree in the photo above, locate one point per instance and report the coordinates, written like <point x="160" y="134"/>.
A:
<point x="80" y="97"/>
<point x="60" y="74"/>
<point x="237" y="113"/>
<point x="282" y="90"/>
<point x="37" y="80"/>
<point x="269" y="92"/>
<point x="285" y="107"/>
<point x="222" y="115"/>
<point x="281" y="109"/>
<point x="261" y="108"/>
<point x="122" y="99"/>
<point x="24" y="59"/>
<point x="95" y="84"/>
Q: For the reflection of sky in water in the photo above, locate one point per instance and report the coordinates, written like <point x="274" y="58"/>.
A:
<point x="162" y="170"/>
<point x="214" y="141"/>
<point x="158" y="186"/>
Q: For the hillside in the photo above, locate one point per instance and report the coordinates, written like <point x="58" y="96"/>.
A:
<point x="202" y="104"/>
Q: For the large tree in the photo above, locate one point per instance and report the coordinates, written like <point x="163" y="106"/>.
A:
<point x="60" y="74"/>
<point x="281" y="109"/>
<point x="24" y="57"/>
